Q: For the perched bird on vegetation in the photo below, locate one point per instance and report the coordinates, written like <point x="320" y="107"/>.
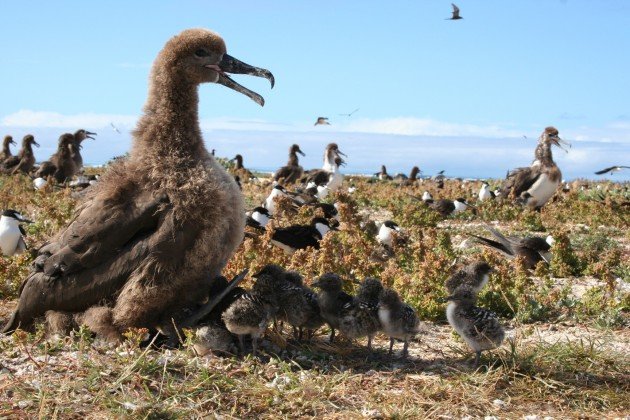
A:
<point x="258" y="218"/>
<point x="239" y="170"/>
<point x="322" y="121"/>
<point x="447" y="207"/>
<point x="439" y="176"/>
<point x="532" y="248"/>
<point x="412" y="179"/>
<point x="12" y="233"/>
<point x="383" y="175"/>
<point x="479" y="327"/>
<point x="612" y="170"/>
<point x="335" y="179"/>
<point x="456" y="15"/>
<point x="475" y="276"/>
<point x="6" y="150"/>
<point x="24" y="160"/>
<point x="292" y="172"/>
<point x="362" y="319"/>
<point x="385" y="233"/>
<point x="162" y="222"/>
<point x="485" y="193"/>
<point x="301" y="236"/>
<point x="253" y="311"/>
<point x="79" y="136"/>
<point x="270" y="201"/>
<point x="533" y="186"/>
<point x="334" y="303"/>
<point x="61" y="165"/>
<point x="332" y="161"/>
<point x="398" y="320"/>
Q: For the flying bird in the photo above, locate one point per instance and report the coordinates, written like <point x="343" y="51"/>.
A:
<point x="350" y="114"/>
<point x="612" y="170"/>
<point x="455" y="13"/>
<point x="322" y="121"/>
<point x="115" y="128"/>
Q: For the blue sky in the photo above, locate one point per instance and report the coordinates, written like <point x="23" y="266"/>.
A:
<point x="455" y="95"/>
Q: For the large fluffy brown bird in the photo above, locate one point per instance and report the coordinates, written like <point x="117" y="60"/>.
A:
<point x="24" y="160"/>
<point x="533" y="186"/>
<point x="162" y="223"/>
<point x="6" y="150"/>
<point x="61" y="164"/>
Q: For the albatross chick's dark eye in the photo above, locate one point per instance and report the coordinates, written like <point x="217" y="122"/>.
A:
<point x="201" y="53"/>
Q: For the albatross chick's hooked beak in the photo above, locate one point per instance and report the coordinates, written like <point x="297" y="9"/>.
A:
<point x="89" y="134"/>
<point x="559" y="142"/>
<point x="233" y="65"/>
<point x="300" y="152"/>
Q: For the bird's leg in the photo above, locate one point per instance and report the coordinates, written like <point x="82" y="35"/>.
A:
<point x="241" y="345"/>
<point x="369" y="342"/>
<point x="295" y="333"/>
<point x="391" y="344"/>
<point x="254" y="345"/>
<point x="300" y="331"/>
<point x="332" y="335"/>
<point x="477" y="356"/>
<point x="405" y="349"/>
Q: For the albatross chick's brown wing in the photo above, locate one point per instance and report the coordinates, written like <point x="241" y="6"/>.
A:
<point x="161" y="223"/>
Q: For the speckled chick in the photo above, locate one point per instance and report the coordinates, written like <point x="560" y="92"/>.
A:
<point x="252" y="312"/>
<point x="334" y="303"/>
<point x="398" y="320"/>
<point x="479" y="327"/>
<point x="213" y="338"/>
<point x="475" y="276"/>
<point x="298" y="305"/>
<point x="362" y="320"/>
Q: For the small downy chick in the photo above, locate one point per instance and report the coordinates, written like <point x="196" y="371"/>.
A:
<point x="479" y="327"/>
<point x="298" y="304"/>
<point x="398" y="320"/>
<point x="362" y="319"/>
<point x="252" y="312"/>
<point x="475" y="276"/>
<point x="213" y="338"/>
<point x="334" y="303"/>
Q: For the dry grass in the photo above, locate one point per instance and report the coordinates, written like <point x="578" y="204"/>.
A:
<point x="567" y="357"/>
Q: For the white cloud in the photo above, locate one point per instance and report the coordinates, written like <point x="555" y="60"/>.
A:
<point x="412" y="126"/>
<point x="227" y="123"/>
<point x="28" y="118"/>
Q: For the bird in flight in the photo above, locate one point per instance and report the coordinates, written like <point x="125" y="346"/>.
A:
<point x="115" y="128"/>
<point x="322" y="121"/>
<point x="455" y="13"/>
<point x="350" y="114"/>
<point x="612" y="170"/>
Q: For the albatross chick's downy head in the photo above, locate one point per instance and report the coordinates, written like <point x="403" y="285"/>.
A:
<point x="198" y="56"/>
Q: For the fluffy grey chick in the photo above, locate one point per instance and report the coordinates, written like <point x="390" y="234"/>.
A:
<point x="252" y="312"/>
<point x="398" y="320"/>
<point x="298" y="305"/>
<point x="475" y="276"/>
<point x="334" y="303"/>
<point x="213" y="338"/>
<point x="479" y="327"/>
<point x="362" y="318"/>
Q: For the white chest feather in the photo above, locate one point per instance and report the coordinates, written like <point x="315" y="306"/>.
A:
<point x="10" y="235"/>
<point x="384" y="315"/>
<point x="543" y="189"/>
